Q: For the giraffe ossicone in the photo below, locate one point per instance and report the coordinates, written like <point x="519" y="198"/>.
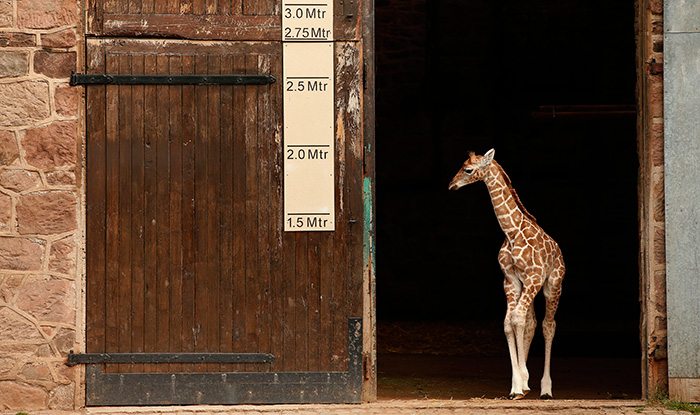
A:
<point x="531" y="261"/>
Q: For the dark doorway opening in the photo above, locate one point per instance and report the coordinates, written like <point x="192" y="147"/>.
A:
<point x="551" y="86"/>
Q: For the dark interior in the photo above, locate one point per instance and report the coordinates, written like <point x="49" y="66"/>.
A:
<point x="551" y="86"/>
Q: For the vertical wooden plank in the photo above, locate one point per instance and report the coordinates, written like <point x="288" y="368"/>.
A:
<point x="351" y="66"/>
<point x="226" y="211"/>
<point x="263" y="183"/>
<point x="95" y="10"/>
<point x="138" y="212"/>
<point x="213" y="268"/>
<point x="203" y="298"/>
<point x="199" y="6"/>
<point x="314" y="322"/>
<point x="162" y="171"/>
<point x="347" y="65"/>
<point x="211" y="6"/>
<point x="111" y="6"/>
<point x="96" y="206"/>
<point x="176" y="184"/>
<point x="173" y="7"/>
<point x="224" y="7"/>
<point x="340" y="254"/>
<point x="124" y="205"/>
<point x="160" y="6"/>
<point x="237" y="7"/>
<point x="112" y="212"/>
<point x="150" y="209"/>
<point x="148" y="6"/>
<point x="134" y="7"/>
<point x="186" y="6"/>
<point x="288" y="276"/>
<point x="188" y="211"/>
<point x="326" y="312"/>
<point x="258" y="7"/>
<point x="277" y="327"/>
<point x="251" y="210"/>
<point x="239" y="210"/>
<point x="301" y="303"/>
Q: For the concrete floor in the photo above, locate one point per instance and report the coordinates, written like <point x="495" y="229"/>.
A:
<point x="421" y="376"/>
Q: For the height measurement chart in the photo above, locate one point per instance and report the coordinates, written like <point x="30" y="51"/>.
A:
<point x="304" y="20"/>
<point x="309" y="137"/>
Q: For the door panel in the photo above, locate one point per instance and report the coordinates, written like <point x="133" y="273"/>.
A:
<point x="185" y="244"/>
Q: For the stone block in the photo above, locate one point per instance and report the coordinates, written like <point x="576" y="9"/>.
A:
<point x="36" y="372"/>
<point x="54" y="64"/>
<point x="659" y="244"/>
<point x="17" y="40"/>
<point x="48" y="299"/>
<point x="62" y="256"/>
<point x="8" y="287"/>
<point x="6" y="13"/>
<point x="42" y="14"/>
<point x="60" y="178"/>
<point x="21" y="254"/>
<point x="23" y="103"/>
<point x="46" y="213"/>
<point x="16" y="329"/>
<point x="657" y="144"/>
<point x="19" y="180"/>
<point x="13" y="63"/>
<point x="62" y="397"/>
<point x="7" y="366"/>
<point x="9" y="152"/>
<point x="5" y="212"/>
<point x="658" y="197"/>
<point x="55" y="145"/>
<point x="64" y="341"/>
<point x="20" y="396"/>
<point x="61" y="39"/>
<point x="66" y="100"/>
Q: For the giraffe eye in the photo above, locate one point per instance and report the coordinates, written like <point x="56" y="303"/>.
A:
<point x="468" y="170"/>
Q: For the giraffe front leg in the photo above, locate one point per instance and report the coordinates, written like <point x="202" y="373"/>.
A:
<point x="524" y="331"/>
<point x="512" y="289"/>
<point x="516" y="385"/>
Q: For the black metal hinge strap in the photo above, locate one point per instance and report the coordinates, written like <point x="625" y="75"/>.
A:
<point x="106" y="79"/>
<point x="95" y="358"/>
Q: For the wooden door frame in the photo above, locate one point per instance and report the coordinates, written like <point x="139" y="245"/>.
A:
<point x="369" y="387"/>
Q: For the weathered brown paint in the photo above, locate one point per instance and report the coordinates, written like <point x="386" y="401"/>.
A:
<point x="199" y="19"/>
<point x="190" y="176"/>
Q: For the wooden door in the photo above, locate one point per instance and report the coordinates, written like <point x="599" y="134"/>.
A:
<point x="195" y="294"/>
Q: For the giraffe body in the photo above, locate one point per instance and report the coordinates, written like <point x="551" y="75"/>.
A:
<point x="531" y="261"/>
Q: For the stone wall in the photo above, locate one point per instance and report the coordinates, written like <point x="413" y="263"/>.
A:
<point x="651" y="189"/>
<point x="39" y="203"/>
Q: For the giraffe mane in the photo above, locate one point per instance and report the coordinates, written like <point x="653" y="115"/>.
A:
<point x="518" y="202"/>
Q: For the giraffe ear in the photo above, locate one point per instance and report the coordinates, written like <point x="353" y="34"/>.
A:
<point x="488" y="158"/>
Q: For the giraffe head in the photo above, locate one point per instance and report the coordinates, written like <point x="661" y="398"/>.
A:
<point x="473" y="170"/>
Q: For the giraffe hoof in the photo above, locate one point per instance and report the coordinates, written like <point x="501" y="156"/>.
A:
<point x="516" y="396"/>
<point x="546" y="396"/>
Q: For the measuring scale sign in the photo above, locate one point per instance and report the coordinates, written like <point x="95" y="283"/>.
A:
<point x="307" y="20"/>
<point x="309" y="137"/>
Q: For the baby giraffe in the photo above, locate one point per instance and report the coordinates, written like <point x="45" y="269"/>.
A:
<point x="530" y="259"/>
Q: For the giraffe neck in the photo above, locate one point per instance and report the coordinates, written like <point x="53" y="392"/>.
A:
<point x="509" y="210"/>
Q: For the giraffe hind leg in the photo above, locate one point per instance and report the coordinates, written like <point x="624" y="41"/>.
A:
<point x="530" y="326"/>
<point x="552" y="292"/>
